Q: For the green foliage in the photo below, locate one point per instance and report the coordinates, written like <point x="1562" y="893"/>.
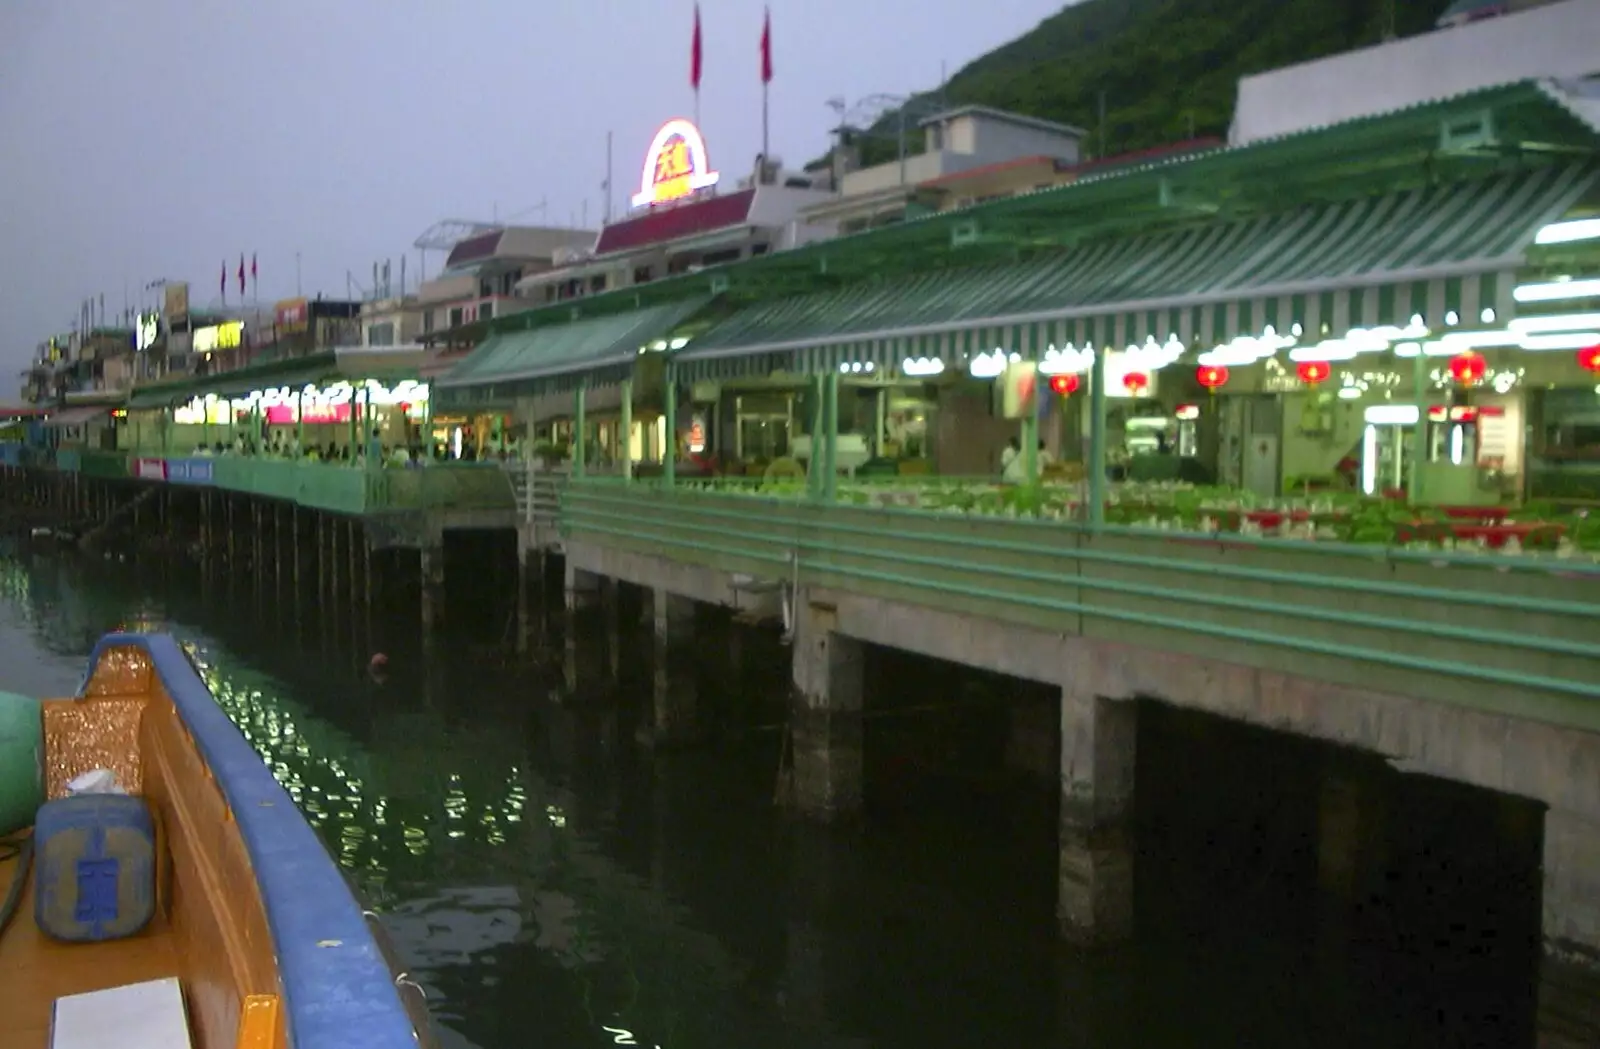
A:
<point x="1166" y="67"/>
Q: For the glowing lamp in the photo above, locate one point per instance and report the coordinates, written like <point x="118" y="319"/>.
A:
<point x="1313" y="372"/>
<point x="1589" y="359"/>
<point x="1134" y="382"/>
<point x="1211" y="376"/>
<point x="1064" y="385"/>
<point x="1467" y="369"/>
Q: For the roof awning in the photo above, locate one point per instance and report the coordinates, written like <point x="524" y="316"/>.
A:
<point x="595" y="349"/>
<point x="76" y="416"/>
<point x="1375" y="260"/>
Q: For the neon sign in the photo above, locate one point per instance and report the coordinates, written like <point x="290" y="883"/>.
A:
<point x="676" y="167"/>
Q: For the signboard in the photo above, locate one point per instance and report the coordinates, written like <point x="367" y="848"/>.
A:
<point x="291" y="316"/>
<point x="676" y="167"/>
<point x="146" y="330"/>
<point x="150" y="469"/>
<point x="175" y="304"/>
<point x="315" y="414"/>
<point x="189" y="471"/>
<point x="226" y="336"/>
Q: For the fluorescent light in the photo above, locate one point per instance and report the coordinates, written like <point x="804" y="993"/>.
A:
<point x="1567" y="232"/>
<point x="1392" y="414"/>
<point x="1327" y="350"/>
<point x="1369" y="459"/>
<point x="1350" y="393"/>
<point x="1475" y="340"/>
<point x="1569" y="340"/>
<point x="1556" y="291"/>
<point x="1559" y="322"/>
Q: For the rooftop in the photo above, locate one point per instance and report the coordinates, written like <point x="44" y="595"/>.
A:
<point x="1004" y="117"/>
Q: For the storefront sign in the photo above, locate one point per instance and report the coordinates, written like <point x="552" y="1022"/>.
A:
<point x="147" y="328"/>
<point x="151" y="469"/>
<point x="219" y="337"/>
<point x="697" y="435"/>
<point x="676" y="167"/>
<point x="291" y="316"/>
<point x="189" y="471"/>
<point x="315" y="414"/>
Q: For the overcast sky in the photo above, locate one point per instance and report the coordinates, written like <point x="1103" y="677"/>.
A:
<point x="154" y="139"/>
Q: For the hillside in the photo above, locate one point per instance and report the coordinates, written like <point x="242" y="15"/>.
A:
<point x="1168" y="69"/>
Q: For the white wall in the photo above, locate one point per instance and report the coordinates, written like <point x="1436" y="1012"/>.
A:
<point x="1560" y="40"/>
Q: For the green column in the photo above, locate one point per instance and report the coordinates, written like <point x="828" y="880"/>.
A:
<point x="350" y="428"/>
<point x="625" y="425"/>
<point x="579" y="426"/>
<point x="669" y="410"/>
<point x="300" y="419"/>
<point x="830" y="461"/>
<point x="1419" y="432"/>
<point x="815" y="464"/>
<point x="1097" y="440"/>
<point x="166" y="431"/>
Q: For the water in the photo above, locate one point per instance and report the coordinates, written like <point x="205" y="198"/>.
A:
<point x="553" y="885"/>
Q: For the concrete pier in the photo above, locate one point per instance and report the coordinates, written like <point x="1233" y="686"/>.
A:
<point x="825" y="715"/>
<point x="675" y="690"/>
<point x="1099" y="741"/>
<point x="1569" y="979"/>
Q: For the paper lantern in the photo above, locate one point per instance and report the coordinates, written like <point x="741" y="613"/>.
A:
<point x="1134" y="382"/>
<point x="1467" y="368"/>
<point x="1589" y="358"/>
<point x="1065" y="384"/>
<point x="1211" y="376"/>
<point x="1313" y="372"/>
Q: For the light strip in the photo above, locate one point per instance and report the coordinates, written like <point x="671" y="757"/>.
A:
<point x="1567" y="232"/>
<point x="1369" y="459"/>
<point x="1559" y="322"/>
<point x="1557" y="291"/>
<point x="1392" y="414"/>
<point x="1567" y="340"/>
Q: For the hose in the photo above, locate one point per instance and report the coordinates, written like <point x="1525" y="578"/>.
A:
<point x="23" y="851"/>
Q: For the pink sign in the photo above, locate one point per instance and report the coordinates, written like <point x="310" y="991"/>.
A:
<point x="152" y="469"/>
<point x="283" y="414"/>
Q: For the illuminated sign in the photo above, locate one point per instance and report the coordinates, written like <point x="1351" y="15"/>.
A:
<point x="219" y="337"/>
<point x="676" y="166"/>
<point x="146" y="330"/>
<point x="291" y="315"/>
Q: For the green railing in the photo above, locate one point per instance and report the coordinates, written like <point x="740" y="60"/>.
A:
<point x="1507" y="635"/>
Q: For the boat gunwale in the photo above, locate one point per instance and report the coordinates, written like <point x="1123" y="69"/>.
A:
<point x="337" y="987"/>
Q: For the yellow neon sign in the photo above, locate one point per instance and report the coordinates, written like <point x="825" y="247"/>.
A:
<point x="676" y="167"/>
<point x="219" y="337"/>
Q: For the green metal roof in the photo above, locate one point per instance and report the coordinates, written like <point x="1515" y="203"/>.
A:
<point x="1330" y="267"/>
<point x="580" y="346"/>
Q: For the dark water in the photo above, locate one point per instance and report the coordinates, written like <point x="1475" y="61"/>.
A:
<point x="552" y="884"/>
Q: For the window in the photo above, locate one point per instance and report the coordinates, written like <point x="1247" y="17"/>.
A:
<point x="427" y="321"/>
<point x="457" y="315"/>
<point x="642" y="275"/>
<point x="381" y="334"/>
<point x="597" y="283"/>
<point x="485" y="287"/>
<point x="485" y="311"/>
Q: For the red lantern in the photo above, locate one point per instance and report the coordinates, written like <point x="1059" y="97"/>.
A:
<point x="1313" y="372"/>
<point x="1211" y="376"/>
<point x="1467" y="368"/>
<point x="1064" y="385"/>
<point x="1134" y="382"/>
<point x="1589" y="359"/>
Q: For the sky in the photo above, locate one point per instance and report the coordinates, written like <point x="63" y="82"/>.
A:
<point x="154" y="140"/>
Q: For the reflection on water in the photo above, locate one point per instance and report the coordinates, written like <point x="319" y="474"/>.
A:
<point x="549" y="884"/>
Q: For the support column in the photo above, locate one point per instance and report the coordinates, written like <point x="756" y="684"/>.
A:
<point x="1351" y="855"/>
<point x="675" y="699"/>
<point x="1569" y="977"/>
<point x="432" y="587"/>
<point x="524" y="624"/>
<point x="611" y="615"/>
<point x="1099" y="739"/>
<point x="824" y="780"/>
<point x="582" y="589"/>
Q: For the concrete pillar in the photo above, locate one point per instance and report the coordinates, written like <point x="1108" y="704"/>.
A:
<point x="674" y="694"/>
<point x="824" y="781"/>
<point x="432" y="556"/>
<point x="1351" y="836"/>
<point x="611" y="616"/>
<point x="582" y="589"/>
<point x="1569" y="978"/>
<point x="1099" y="740"/>
<point x="524" y="617"/>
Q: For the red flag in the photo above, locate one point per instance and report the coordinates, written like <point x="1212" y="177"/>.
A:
<point x="241" y="274"/>
<point x="224" y="280"/>
<point x="694" y="52"/>
<point x="252" y="267"/>
<point x="766" y="49"/>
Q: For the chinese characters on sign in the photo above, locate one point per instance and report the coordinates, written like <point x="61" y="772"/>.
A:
<point x="676" y="166"/>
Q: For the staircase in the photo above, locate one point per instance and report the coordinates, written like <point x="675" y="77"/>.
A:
<point x="538" y="497"/>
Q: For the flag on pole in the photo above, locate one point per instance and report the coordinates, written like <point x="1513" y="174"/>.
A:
<point x="241" y="276"/>
<point x="766" y="48"/>
<point x="695" y="53"/>
<point x="224" y="281"/>
<point x="254" y="284"/>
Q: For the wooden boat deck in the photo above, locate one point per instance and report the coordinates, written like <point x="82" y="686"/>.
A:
<point x="35" y="970"/>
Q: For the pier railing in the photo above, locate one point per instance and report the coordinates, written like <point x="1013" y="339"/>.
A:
<point x="1504" y="634"/>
